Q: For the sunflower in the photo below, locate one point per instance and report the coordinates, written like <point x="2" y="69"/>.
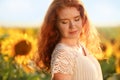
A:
<point x="106" y="49"/>
<point x="31" y="31"/>
<point x="20" y="46"/>
<point x="118" y="65"/>
<point x="1" y="31"/>
<point x="116" y="53"/>
<point x="116" y="48"/>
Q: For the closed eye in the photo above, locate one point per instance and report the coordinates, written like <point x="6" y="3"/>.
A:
<point x="77" y="18"/>
<point x="64" y="21"/>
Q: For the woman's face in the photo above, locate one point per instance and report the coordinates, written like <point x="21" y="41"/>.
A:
<point x="69" y="23"/>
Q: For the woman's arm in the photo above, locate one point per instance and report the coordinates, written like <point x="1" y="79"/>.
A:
<point x="62" y="65"/>
<point x="60" y="76"/>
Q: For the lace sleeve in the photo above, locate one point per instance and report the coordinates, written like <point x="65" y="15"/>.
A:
<point x="62" y="62"/>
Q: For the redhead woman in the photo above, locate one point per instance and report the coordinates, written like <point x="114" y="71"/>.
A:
<point x="68" y="42"/>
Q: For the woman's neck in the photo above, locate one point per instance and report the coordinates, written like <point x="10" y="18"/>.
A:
<point x="70" y="42"/>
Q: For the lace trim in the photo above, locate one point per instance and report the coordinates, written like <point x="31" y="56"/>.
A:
<point x="62" y="62"/>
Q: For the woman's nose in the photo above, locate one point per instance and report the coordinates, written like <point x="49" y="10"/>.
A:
<point x="72" y="24"/>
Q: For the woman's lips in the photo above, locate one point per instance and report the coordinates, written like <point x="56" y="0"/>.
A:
<point x="73" y="32"/>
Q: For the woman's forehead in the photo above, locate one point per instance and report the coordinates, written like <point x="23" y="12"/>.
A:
<point x="68" y="12"/>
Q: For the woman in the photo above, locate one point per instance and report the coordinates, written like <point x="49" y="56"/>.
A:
<point x="67" y="42"/>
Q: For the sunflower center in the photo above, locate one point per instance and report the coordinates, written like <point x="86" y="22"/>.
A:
<point x="22" y="48"/>
<point x="113" y="41"/>
<point x="103" y="47"/>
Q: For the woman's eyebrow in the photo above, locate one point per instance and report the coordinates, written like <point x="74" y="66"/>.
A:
<point x="67" y="18"/>
<point x="63" y="19"/>
<point x="77" y="16"/>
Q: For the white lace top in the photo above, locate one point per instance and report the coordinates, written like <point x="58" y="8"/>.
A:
<point x="71" y="60"/>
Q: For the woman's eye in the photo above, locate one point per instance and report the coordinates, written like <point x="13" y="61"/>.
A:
<point x="64" y="22"/>
<point x="77" y="19"/>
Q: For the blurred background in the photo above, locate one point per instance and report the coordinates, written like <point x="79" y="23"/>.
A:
<point x="20" y="21"/>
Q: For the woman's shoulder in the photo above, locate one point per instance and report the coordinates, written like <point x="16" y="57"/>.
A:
<point x="61" y="49"/>
<point x="61" y="46"/>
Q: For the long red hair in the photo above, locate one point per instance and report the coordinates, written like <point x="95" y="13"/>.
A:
<point x="49" y="35"/>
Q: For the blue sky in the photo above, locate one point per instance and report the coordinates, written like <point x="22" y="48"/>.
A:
<point x="103" y="12"/>
<point x="31" y="12"/>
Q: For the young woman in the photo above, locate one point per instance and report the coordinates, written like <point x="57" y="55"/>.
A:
<point x="68" y="41"/>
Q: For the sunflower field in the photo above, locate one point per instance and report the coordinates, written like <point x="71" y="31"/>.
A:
<point x="18" y="47"/>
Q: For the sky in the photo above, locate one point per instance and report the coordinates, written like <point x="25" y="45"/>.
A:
<point x="32" y="12"/>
